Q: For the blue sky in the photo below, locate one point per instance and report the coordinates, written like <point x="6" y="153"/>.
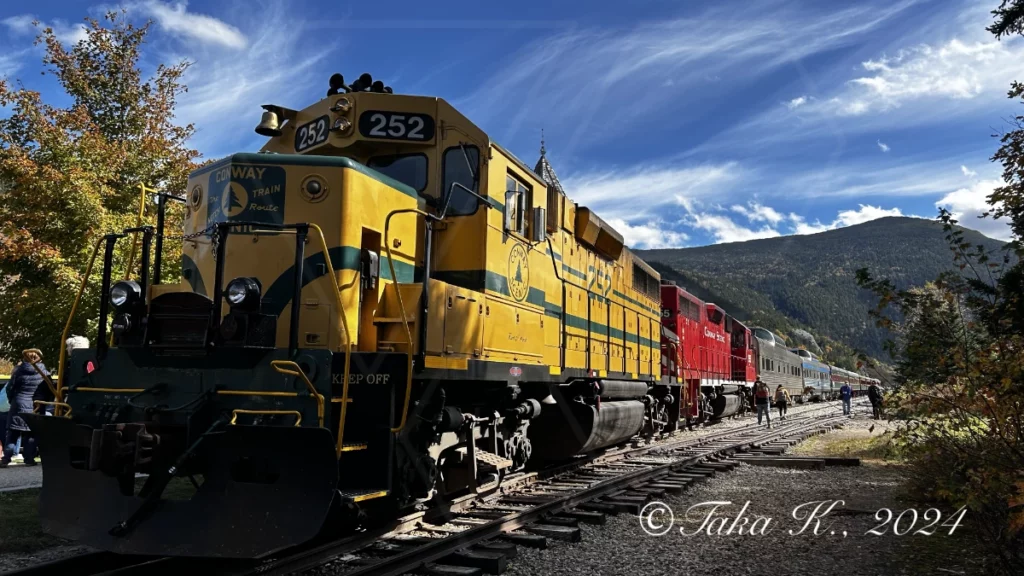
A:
<point x="682" y="123"/>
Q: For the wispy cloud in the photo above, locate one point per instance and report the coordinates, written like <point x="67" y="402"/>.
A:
<point x="756" y="212"/>
<point x="176" y="20"/>
<point x="226" y="87"/>
<point x="649" y="234"/>
<point x="883" y="146"/>
<point x="723" y="229"/>
<point x="918" y="84"/>
<point x="10" y="63"/>
<point x="639" y="192"/>
<point x="24" y="25"/>
<point x="864" y="178"/>
<point x="967" y="171"/>
<point x="579" y="72"/>
<point x="796" y="102"/>
<point x="954" y="70"/>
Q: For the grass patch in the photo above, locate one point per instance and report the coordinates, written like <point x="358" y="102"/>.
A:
<point x="864" y="446"/>
<point x="20" y="530"/>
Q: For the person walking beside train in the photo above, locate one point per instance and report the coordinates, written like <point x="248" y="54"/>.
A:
<point x="846" y="393"/>
<point x="25" y="380"/>
<point x="781" y="400"/>
<point x="761" y="397"/>
<point x="875" y="396"/>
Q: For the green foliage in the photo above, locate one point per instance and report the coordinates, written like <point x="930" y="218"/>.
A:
<point x="809" y="281"/>
<point x="70" y="174"/>
<point x="960" y="372"/>
<point x="1009" y="18"/>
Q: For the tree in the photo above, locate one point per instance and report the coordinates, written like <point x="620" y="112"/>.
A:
<point x="70" y="174"/>
<point x="960" y="375"/>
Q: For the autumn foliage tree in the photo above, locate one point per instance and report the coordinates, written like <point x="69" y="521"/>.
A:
<point x="959" y="389"/>
<point x="70" y="174"/>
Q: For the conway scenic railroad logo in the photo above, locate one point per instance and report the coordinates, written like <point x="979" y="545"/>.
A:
<point x="247" y="193"/>
<point x="518" y="273"/>
<point x="234" y="199"/>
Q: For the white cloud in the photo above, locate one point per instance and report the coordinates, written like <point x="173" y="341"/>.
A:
<point x="968" y="204"/>
<point x="967" y="171"/>
<point x="633" y="193"/>
<point x="953" y="72"/>
<point x="227" y="88"/>
<point x="178" y="21"/>
<point x="796" y="102"/>
<point x="883" y="146"/>
<point x="725" y="230"/>
<point x="864" y="214"/>
<point x="581" y="73"/>
<point x="23" y="25"/>
<point x="861" y="178"/>
<point x="800" y="225"/>
<point x="649" y="235"/>
<point x="757" y="212"/>
<point x="9" y="64"/>
<point x="850" y="217"/>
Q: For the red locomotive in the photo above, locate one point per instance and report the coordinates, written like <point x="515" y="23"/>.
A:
<point x="710" y="353"/>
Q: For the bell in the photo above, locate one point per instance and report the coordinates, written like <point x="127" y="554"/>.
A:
<point x="269" y="125"/>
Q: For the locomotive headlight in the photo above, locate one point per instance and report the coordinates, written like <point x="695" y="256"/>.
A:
<point x="243" y="292"/>
<point x="125" y="293"/>
<point x="342" y="105"/>
<point x="342" y="125"/>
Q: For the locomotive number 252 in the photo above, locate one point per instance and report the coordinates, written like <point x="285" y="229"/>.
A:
<point x="311" y="133"/>
<point x="396" y="125"/>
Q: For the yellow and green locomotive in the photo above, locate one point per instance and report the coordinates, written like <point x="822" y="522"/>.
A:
<point x="380" y="307"/>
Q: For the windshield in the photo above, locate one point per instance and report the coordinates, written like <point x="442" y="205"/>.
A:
<point x="409" y="169"/>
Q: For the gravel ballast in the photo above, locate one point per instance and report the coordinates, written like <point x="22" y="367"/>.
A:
<point x="622" y="547"/>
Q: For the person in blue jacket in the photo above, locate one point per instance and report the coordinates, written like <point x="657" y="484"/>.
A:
<point x="846" y="393"/>
<point x="21" y="391"/>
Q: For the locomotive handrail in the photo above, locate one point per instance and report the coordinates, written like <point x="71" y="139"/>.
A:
<point x="237" y="411"/>
<point x="401" y="308"/>
<point x="291" y="368"/>
<point x="345" y="333"/>
<point x="37" y="403"/>
<point x="59" y="395"/>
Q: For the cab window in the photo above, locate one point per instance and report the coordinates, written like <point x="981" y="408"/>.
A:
<point x="518" y="204"/>
<point x="456" y="169"/>
<point x="409" y="169"/>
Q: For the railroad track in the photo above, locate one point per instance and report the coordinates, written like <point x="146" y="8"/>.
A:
<point x="480" y="533"/>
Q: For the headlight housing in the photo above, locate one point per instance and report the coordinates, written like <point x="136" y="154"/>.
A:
<point x="124" y="294"/>
<point x="243" y="293"/>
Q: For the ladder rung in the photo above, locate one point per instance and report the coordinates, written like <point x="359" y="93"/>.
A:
<point x="361" y="495"/>
<point x="393" y="319"/>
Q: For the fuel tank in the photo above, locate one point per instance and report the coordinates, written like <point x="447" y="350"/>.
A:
<point x="568" y="428"/>
<point x="725" y="405"/>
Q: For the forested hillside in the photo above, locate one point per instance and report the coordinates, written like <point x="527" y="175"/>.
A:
<point x="795" y="282"/>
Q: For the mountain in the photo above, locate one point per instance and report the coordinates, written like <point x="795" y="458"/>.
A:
<point x="808" y="282"/>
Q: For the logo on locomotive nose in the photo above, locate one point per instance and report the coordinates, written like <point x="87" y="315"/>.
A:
<point x="234" y="199"/>
<point x="518" y="273"/>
